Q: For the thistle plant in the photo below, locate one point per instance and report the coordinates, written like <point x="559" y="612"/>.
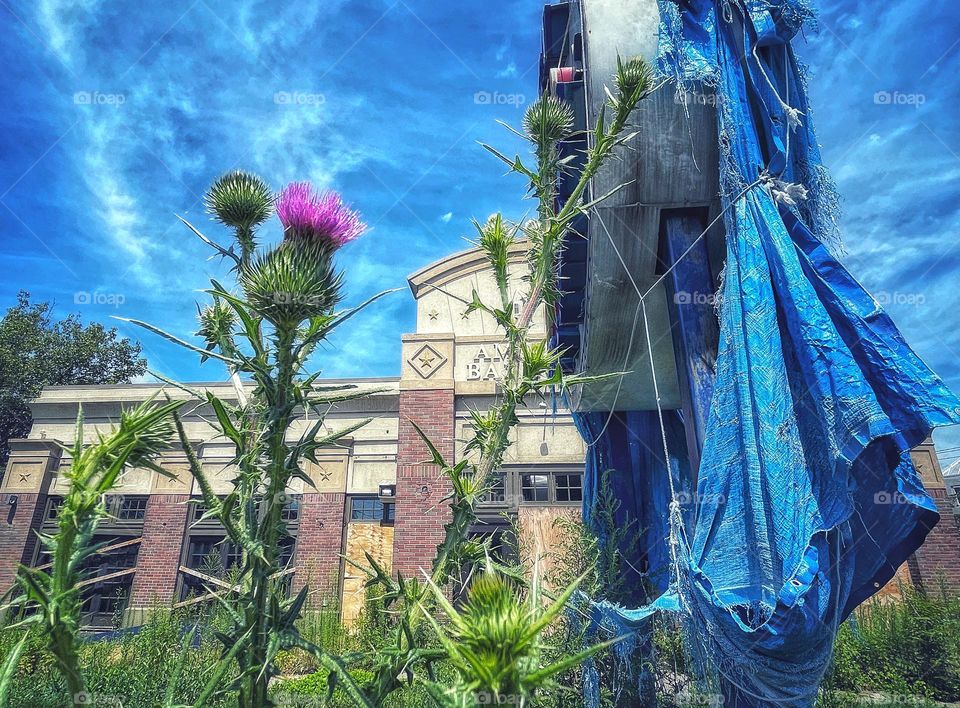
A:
<point x="532" y="372"/>
<point x="52" y="594"/>
<point x="265" y="330"/>
<point x="493" y="642"/>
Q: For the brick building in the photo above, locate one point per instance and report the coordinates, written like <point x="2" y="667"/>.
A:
<point x="373" y="492"/>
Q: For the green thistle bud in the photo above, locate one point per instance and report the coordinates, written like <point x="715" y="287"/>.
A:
<point x="633" y="79"/>
<point x="548" y="120"/>
<point x="292" y="283"/>
<point x="240" y="200"/>
<point x="216" y="323"/>
<point x="496" y="238"/>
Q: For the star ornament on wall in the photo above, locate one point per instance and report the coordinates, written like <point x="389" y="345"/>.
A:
<point x="427" y="361"/>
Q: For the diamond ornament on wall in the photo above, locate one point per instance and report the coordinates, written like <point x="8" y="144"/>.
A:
<point x="427" y="361"/>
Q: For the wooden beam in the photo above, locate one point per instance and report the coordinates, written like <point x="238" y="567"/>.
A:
<point x="105" y="549"/>
<point x="108" y="576"/>
<point x="208" y="578"/>
<point x="216" y="581"/>
<point x="195" y="600"/>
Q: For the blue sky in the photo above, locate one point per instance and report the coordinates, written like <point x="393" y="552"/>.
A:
<point x="117" y="115"/>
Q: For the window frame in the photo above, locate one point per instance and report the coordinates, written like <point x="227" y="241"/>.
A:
<point x="567" y="488"/>
<point x="386" y="518"/>
<point x="513" y="486"/>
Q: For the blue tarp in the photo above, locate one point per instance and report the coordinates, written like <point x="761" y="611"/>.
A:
<point x="807" y="498"/>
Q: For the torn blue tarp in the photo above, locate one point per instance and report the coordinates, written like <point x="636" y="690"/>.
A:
<point x="807" y="498"/>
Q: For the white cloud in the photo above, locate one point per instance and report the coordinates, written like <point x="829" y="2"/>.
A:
<point x="59" y="22"/>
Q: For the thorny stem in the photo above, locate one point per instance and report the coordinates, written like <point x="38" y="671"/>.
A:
<point x="62" y="644"/>
<point x="261" y="577"/>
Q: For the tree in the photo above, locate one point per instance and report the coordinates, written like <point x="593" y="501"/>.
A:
<point x="36" y="351"/>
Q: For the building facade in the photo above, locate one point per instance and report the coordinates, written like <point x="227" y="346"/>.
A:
<point x="374" y="493"/>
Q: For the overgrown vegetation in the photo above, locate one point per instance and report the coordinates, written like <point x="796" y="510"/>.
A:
<point x="907" y="647"/>
<point x="130" y="670"/>
<point x="49" y="598"/>
<point x="894" y="653"/>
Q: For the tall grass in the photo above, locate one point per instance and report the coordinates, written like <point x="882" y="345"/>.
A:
<point x="906" y="647"/>
<point x="131" y="670"/>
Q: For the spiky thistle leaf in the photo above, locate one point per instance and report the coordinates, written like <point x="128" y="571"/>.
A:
<point x="217" y="321"/>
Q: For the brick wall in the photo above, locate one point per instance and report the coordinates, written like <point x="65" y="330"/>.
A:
<point x="158" y="560"/>
<point x="17" y="541"/>
<point x="937" y="562"/>
<point x="319" y="542"/>
<point x="420" y="489"/>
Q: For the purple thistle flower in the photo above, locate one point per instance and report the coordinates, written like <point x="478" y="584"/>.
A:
<point x="324" y="216"/>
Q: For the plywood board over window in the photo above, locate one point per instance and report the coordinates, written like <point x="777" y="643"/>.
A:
<point x="543" y="539"/>
<point x="362" y="538"/>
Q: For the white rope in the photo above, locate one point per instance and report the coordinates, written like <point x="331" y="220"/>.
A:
<point x="758" y="180"/>
<point x="643" y="296"/>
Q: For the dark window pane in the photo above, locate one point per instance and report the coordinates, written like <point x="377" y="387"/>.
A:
<point x="569" y="487"/>
<point x="110" y="561"/>
<point x="201" y="548"/>
<point x="232" y="554"/>
<point x="390" y="511"/>
<point x="366" y="509"/>
<point x="53" y="507"/>
<point x="534" y="487"/>
<point x="286" y="551"/>
<point x="291" y="510"/>
<point x="213" y="554"/>
<point x="199" y="509"/>
<point x="132" y="508"/>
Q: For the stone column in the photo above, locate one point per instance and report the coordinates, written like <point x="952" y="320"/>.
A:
<point x="23" y="501"/>
<point x="320" y="526"/>
<point x="427" y="399"/>
<point x="164" y="526"/>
